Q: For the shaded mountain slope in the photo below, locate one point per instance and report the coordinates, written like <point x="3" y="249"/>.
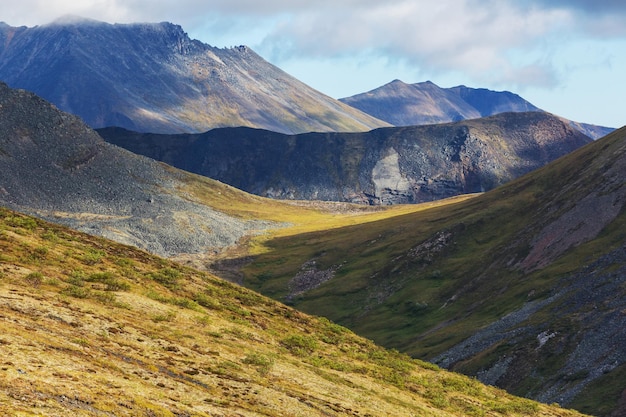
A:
<point x="154" y="78"/>
<point x="404" y="104"/>
<point x="489" y="102"/>
<point x="522" y="286"/>
<point x="383" y="166"/>
<point x="53" y="165"/>
<point x="94" y="328"/>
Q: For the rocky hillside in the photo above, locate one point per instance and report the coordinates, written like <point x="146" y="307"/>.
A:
<point x="383" y="166"/>
<point x="53" y="165"/>
<point x="78" y="298"/>
<point x="404" y="104"/>
<point x="522" y="287"/>
<point x="154" y="78"/>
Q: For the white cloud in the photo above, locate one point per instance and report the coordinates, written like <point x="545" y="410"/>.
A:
<point x="449" y="35"/>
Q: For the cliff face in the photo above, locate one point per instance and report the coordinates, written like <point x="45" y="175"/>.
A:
<point x="154" y="78"/>
<point x="384" y="166"/>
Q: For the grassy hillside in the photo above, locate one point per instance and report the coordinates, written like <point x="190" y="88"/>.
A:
<point x="541" y="254"/>
<point x="94" y="328"/>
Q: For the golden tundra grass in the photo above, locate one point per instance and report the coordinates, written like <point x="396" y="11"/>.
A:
<point x="93" y="328"/>
<point x="295" y="217"/>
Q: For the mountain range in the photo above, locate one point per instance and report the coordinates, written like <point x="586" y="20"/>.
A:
<point x="520" y="286"/>
<point x="383" y="166"/>
<point x="93" y="327"/>
<point x="404" y="104"/>
<point x="154" y="78"/>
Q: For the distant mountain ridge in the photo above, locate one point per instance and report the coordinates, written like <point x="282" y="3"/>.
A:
<point x="422" y="103"/>
<point x="384" y="166"/>
<point x="154" y="78"/>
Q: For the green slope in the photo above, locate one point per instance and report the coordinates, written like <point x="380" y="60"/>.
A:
<point x="89" y="327"/>
<point x="425" y="282"/>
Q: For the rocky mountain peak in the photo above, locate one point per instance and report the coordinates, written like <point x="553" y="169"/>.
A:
<point x="152" y="77"/>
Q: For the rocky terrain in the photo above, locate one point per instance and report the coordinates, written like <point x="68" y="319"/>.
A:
<point x="521" y="287"/>
<point x="443" y="281"/>
<point x="54" y="166"/>
<point x="404" y="104"/>
<point x="154" y="78"/>
<point x="593" y="295"/>
<point x="384" y="166"/>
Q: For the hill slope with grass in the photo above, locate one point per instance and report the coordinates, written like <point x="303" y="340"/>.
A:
<point x="522" y="287"/>
<point x="59" y="296"/>
<point x="89" y="327"/>
<point x="154" y="78"/>
<point x="380" y="167"/>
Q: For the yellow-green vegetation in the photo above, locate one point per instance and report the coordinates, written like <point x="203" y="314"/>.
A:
<point x="424" y="281"/>
<point x="294" y="217"/>
<point x="89" y="328"/>
<point x="394" y="252"/>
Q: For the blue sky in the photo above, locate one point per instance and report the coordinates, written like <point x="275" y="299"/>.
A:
<point x="566" y="57"/>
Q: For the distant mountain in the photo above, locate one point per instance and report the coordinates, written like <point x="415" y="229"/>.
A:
<point x="489" y="102"/>
<point x="404" y="104"/>
<point x="154" y="78"/>
<point x="383" y="166"/>
<point x="523" y="287"/>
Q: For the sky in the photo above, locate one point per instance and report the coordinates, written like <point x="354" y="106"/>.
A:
<point x="566" y="57"/>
